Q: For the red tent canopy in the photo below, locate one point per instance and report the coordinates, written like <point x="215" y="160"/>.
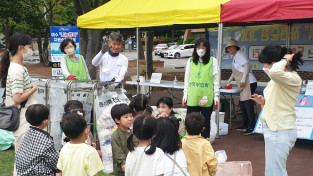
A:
<point x="238" y="11"/>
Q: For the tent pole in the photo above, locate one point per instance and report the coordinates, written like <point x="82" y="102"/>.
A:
<point x="219" y="58"/>
<point x="146" y="52"/>
<point x="137" y="43"/>
<point x="288" y="36"/>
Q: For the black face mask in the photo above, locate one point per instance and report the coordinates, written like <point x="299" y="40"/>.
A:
<point x="113" y="54"/>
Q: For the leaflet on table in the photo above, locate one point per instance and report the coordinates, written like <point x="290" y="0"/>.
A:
<point x="309" y="88"/>
<point x="156" y="77"/>
<point x="304" y="118"/>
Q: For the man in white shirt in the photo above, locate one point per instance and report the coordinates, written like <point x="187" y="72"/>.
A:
<point x="113" y="64"/>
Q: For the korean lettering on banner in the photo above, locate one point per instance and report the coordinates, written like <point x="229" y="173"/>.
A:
<point x="252" y="40"/>
<point x="105" y="123"/>
<point x="57" y="35"/>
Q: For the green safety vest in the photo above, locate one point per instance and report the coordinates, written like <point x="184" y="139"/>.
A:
<point x="76" y="68"/>
<point x="201" y="81"/>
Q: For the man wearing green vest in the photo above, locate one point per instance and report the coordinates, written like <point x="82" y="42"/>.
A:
<point x="201" y="86"/>
<point x="73" y="66"/>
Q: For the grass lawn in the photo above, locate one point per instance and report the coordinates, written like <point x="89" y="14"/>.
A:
<point x="7" y="161"/>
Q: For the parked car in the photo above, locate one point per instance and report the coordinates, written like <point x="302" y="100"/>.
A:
<point x="172" y="43"/>
<point x="159" y="48"/>
<point x="2" y="44"/>
<point x="169" y="48"/>
<point x="181" y="51"/>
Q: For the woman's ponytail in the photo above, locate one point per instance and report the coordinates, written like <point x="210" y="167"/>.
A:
<point x="4" y="67"/>
<point x="130" y="143"/>
<point x="296" y="61"/>
<point x="151" y="149"/>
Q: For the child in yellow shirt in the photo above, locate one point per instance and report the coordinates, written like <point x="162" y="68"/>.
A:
<point x="201" y="160"/>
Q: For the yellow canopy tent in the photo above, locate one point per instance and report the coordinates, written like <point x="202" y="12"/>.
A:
<point x="150" y="13"/>
<point x="154" y="13"/>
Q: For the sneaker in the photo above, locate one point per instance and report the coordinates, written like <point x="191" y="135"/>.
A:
<point x="247" y="132"/>
<point x="242" y="129"/>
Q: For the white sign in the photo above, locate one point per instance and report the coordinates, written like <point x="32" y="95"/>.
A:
<point x="304" y="118"/>
<point x="156" y="77"/>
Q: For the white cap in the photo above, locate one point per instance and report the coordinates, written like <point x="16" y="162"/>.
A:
<point x="231" y="42"/>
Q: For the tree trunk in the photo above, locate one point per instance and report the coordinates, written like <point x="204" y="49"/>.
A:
<point x="6" y="32"/>
<point x="93" y="47"/>
<point x="45" y="51"/>
<point x="83" y="41"/>
<point x="141" y="53"/>
<point x="149" y="53"/>
<point x="39" y="42"/>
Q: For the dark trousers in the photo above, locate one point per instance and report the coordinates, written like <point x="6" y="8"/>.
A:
<point x="206" y="112"/>
<point x="247" y="110"/>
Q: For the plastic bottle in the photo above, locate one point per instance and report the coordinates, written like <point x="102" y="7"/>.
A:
<point x="175" y="81"/>
<point x="303" y="88"/>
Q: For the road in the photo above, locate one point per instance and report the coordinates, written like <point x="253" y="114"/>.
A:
<point x="168" y="63"/>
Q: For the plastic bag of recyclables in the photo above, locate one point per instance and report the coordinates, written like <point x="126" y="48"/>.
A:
<point x="105" y="125"/>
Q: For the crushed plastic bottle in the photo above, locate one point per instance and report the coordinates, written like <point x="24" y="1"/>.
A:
<point x="175" y="81"/>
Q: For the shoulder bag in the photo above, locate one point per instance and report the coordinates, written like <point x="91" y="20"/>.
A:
<point x="175" y="163"/>
<point x="10" y="115"/>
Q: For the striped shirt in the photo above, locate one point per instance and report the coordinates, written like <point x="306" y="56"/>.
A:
<point x="18" y="81"/>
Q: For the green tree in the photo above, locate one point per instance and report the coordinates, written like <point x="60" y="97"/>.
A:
<point x="90" y="40"/>
<point x="8" y="13"/>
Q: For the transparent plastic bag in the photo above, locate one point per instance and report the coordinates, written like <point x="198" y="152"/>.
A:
<point x="221" y="156"/>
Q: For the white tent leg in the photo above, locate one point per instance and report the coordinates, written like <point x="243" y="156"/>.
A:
<point x="219" y="58"/>
<point x="137" y="43"/>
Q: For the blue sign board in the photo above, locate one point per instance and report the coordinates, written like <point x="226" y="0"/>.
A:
<point x="57" y="35"/>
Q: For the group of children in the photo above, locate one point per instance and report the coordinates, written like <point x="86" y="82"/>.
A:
<point x="36" y="154"/>
<point x="148" y="144"/>
<point x="142" y="143"/>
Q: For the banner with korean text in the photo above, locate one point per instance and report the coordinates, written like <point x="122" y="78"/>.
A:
<point x="57" y="35"/>
<point x="252" y="40"/>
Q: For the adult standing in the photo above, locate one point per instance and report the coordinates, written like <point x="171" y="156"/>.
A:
<point x="278" y="114"/>
<point x="201" y="87"/>
<point x="247" y="83"/>
<point x="113" y="64"/>
<point x="73" y="65"/>
<point x="16" y="80"/>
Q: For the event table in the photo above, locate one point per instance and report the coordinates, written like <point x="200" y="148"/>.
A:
<point x="180" y="85"/>
<point x="230" y="92"/>
<point x="165" y="84"/>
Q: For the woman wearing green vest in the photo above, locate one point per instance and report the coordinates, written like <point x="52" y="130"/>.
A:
<point x="73" y="66"/>
<point x="201" y="87"/>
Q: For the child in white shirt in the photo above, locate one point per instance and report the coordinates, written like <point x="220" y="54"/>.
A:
<point x="144" y="158"/>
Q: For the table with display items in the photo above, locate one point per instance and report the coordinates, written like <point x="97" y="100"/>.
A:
<point x="180" y="85"/>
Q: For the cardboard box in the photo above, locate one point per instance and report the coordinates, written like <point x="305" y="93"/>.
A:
<point x="235" y="168"/>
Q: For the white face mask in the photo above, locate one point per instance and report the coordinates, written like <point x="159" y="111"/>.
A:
<point x="267" y="71"/>
<point x="70" y="51"/>
<point x="201" y="52"/>
<point x="28" y="55"/>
